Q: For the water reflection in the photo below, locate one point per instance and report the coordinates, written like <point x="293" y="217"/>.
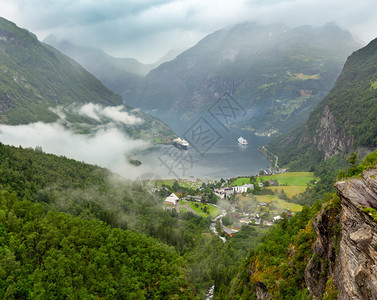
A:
<point x="241" y="147"/>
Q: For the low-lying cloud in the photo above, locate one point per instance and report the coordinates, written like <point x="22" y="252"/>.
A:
<point x="109" y="147"/>
<point x="114" y="113"/>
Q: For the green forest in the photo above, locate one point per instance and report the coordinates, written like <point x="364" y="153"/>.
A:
<point x="73" y="230"/>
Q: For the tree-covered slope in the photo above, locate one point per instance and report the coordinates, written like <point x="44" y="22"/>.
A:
<point x="55" y="187"/>
<point x="277" y="74"/>
<point x="344" y="121"/>
<point x="56" y="256"/>
<point x="35" y="76"/>
<point x="55" y="236"/>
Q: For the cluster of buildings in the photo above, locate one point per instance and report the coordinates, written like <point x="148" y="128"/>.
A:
<point x="227" y="191"/>
<point x="252" y="218"/>
<point x="271" y="171"/>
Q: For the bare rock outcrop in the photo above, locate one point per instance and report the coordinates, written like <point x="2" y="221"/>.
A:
<point x="322" y="263"/>
<point x="356" y="273"/>
<point x="347" y="253"/>
<point x="329" y="138"/>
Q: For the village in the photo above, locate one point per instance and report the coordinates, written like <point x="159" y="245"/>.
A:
<point x="258" y="201"/>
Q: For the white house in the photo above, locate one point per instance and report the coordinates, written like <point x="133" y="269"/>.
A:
<point x="224" y="192"/>
<point x="243" y="188"/>
<point x="172" y="199"/>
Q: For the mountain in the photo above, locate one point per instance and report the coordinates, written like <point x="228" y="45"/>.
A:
<point x="172" y="54"/>
<point x="121" y="75"/>
<point x="118" y="74"/>
<point x="35" y="77"/>
<point x="327" y="251"/>
<point x="344" y="121"/>
<point x="276" y="73"/>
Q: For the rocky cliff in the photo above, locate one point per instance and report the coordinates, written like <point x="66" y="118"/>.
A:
<point x="329" y="139"/>
<point x="345" y="251"/>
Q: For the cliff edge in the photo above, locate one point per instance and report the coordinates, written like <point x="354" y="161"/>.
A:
<point x="345" y="251"/>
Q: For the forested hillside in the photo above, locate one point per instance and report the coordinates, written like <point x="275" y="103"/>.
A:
<point x="37" y="81"/>
<point x="343" y="122"/>
<point x="42" y="192"/>
<point x="35" y="76"/>
<point x="50" y="254"/>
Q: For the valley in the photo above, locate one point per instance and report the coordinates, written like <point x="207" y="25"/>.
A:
<point x="263" y="203"/>
<point x="97" y="203"/>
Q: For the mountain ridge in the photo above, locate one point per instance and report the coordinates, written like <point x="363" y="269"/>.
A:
<point x="344" y="121"/>
<point x="278" y="74"/>
<point x="120" y="75"/>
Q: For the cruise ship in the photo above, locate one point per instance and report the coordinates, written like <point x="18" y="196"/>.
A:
<point x="181" y="143"/>
<point x="242" y="141"/>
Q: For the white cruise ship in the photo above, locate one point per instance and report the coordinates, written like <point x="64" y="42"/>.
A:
<point x="181" y="143"/>
<point x="242" y="141"/>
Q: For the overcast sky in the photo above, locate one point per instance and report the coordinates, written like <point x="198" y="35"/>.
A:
<point x="148" y="29"/>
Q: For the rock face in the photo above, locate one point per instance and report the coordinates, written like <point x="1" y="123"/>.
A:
<point x="356" y="274"/>
<point x="329" y="139"/>
<point x="347" y="254"/>
<point x="323" y="262"/>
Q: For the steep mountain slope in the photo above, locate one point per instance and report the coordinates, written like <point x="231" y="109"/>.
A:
<point x="278" y="74"/>
<point x="348" y="256"/>
<point x="118" y="74"/>
<point x="345" y="121"/>
<point x="121" y="75"/>
<point x="35" y="77"/>
<point x="331" y="255"/>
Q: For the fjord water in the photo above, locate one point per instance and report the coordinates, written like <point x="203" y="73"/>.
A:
<point x="226" y="158"/>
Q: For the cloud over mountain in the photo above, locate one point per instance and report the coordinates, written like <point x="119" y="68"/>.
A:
<point x="148" y="29"/>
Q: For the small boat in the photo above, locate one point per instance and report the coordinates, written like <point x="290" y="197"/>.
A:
<point x="242" y="141"/>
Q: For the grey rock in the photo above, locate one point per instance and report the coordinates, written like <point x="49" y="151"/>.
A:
<point x="353" y="262"/>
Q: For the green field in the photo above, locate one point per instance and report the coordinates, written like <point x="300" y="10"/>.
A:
<point x="278" y="203"/>
<point x="182" y="209"/>
<point x="291" y="178"/>
<point x="241" y="181"/>
<point x="290" y="191"/>
<point x="213" y="211"/>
